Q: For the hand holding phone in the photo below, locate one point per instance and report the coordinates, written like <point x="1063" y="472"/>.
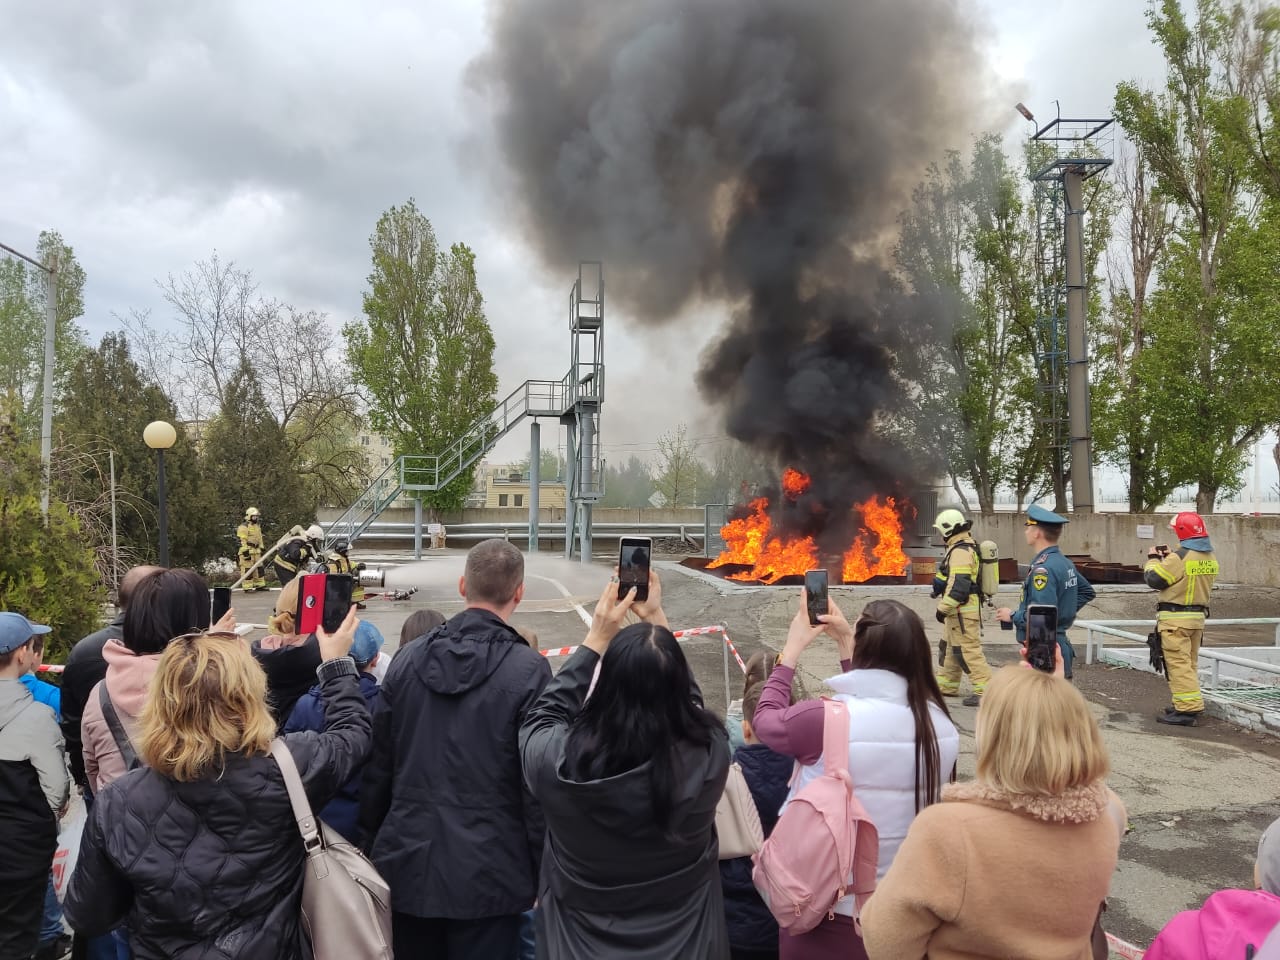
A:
<point x="324" y="600"/>
<point x="816" y="598"/>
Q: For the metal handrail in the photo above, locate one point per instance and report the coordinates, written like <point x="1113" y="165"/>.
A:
<point x="1108" y="628"/>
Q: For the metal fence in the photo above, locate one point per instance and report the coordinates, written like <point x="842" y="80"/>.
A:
<point x="1215" y="686"/>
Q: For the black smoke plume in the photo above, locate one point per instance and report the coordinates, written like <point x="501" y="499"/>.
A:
<point x="756" y="154"/>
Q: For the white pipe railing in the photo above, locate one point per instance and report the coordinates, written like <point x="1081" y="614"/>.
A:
<point x="1108" y="628"/>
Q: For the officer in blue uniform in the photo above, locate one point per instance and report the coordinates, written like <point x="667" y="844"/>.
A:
<point x="1052" y="580"/>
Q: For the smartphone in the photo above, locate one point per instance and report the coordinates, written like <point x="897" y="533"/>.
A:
<point x="815" y="595"/>
<point x="1042" y="635"/>
<point x="310" y="615"/>
<point x="634" y="555"/>
<point x="337" y="599"/>
<point x="221" y="603"/>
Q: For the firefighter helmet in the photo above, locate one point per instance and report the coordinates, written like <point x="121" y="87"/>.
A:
<point x="341" y="545"/>
<point x="253" y="513"/>
<point x="314" y="532"/>
<point x="951" y="522"/>
<point x="1188" y="526"/>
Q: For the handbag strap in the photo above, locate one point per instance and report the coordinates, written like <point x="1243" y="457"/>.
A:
<point x="307" y="824"/>
<point x="118" y="734"/>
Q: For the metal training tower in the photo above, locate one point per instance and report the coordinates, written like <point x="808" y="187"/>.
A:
<point x="1064" y="153"/>
<point x="574" y="401"/>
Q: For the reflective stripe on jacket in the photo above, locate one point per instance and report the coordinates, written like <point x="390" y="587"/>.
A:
<point x="1184" y="578"/>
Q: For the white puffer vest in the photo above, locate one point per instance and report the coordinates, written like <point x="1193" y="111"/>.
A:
<point x="882" y="756"/>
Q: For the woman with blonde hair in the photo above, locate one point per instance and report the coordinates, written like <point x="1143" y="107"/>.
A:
<point x="199" y="849"/>
<point x="1018" y="862"/>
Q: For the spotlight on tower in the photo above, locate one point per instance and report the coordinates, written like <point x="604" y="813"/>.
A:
<point x="1022" y="109"/>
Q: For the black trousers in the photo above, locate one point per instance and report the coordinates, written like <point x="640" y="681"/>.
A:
<point x="430" y="938"/>
<point x="21" y="907"/>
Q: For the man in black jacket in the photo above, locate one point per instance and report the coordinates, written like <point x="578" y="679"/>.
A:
<point x="444" y="810"/>
<point x="85" y="667"/>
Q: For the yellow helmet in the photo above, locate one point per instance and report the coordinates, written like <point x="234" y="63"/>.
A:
<point x="951" y="522"/>
<point x="253" y="514"/>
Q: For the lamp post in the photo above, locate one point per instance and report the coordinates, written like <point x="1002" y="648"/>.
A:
<point x="160" y="436"/>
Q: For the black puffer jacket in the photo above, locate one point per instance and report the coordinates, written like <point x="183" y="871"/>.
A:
<point x="213" y="868"/>
<point x="452" y="828"/>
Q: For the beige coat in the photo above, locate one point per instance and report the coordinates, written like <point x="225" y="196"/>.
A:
<point x="990" y="875"/>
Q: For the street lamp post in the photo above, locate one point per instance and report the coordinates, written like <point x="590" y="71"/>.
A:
<point x="160" y="436"/>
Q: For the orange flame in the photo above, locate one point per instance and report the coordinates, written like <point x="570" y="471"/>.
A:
<point x="780" y="559"/>
<point x="744" y="537"/>
<point x="889" y="558"/>
<point x="794" y="483"/>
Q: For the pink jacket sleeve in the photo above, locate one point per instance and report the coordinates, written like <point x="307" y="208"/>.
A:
<point x="102" y="760"/>
<point x="795" y="731"/>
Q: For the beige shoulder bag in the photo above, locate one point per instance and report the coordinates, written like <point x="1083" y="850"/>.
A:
<point x="346" y="905"/>
<point x="737" y="819"/>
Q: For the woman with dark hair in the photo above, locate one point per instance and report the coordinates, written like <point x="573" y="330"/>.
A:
<point x="418" y="625"/>
<point x="628" y="780"/>
<point x="164" y="604"/>
<point x="902" y="743"/>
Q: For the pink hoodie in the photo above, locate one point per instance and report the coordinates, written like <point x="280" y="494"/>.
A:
<point x="128" y="680"/>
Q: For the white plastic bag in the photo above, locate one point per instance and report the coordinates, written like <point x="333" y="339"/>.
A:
<point x="64" y="860"/>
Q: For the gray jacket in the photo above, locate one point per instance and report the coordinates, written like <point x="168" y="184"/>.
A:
<point x="33" y="783"/>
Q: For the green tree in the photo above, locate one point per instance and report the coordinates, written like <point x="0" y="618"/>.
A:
<point x="551" y="465"/>
<point x="679" y="473"/>
<point x="423" y="355"/>
<point x="23" y="295"/>
<point x="1190" y="136"/>
<point x="47" y="570"/>
<point x="1124" y="394"/>
<point x="247" y="457"/>
<point x="630" y="485"/>
<point x="107" y="404"/>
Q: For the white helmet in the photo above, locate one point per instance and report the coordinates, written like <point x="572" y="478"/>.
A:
<point x="950" y="522"/>
<point x="315" y="533"/>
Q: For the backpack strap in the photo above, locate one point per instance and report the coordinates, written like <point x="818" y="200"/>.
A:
<point x="312" y="839"/>
<point x="835" y="739"/>
<point x="118" y="734"/>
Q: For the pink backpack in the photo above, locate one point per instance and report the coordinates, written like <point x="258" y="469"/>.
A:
<point x="1225" y="928"/>
<point x="822" y="838"/>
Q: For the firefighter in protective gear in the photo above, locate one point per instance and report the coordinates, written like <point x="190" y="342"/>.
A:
<point x="339" y="562"/>
<point x="1184" y="578"/>
<point x="955" y="586"/>
<point x="249" y="534"/>
<point x="295" y="555"/>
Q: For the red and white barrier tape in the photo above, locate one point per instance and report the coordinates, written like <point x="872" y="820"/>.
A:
<point x="679" y="635"/>
<point x="50" y="668"/>
<point x="1126" y="950"/>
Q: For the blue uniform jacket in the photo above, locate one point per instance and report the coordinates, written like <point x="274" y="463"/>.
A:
<point x="1054" y="581"/>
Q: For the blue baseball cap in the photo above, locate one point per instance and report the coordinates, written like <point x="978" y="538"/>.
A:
<point x="1037" y="514"/>
<point x="368" y="642"/>
<point x="15" y="630"/>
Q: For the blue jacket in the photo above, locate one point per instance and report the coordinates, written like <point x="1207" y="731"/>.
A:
<point x="308" y="714"/>
<point x="45" y="693"/>
<point x="751" y="925"/>
<point x="1054" y="580"/>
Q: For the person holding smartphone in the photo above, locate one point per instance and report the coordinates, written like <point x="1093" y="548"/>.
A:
<point x="1052" y="580"/>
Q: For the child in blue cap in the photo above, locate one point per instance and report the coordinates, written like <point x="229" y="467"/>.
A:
<point x="342" y="811"/>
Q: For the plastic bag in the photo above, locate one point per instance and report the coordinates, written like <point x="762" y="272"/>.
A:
<point x="64" y="860"/>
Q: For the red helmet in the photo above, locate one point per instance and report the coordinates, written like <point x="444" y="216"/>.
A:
<point x="1188" y="526"/>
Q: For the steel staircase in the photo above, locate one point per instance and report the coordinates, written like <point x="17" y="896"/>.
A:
<point x="409" y="474"/>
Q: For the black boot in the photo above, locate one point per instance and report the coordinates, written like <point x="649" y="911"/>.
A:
<point x="1175" y="719"/>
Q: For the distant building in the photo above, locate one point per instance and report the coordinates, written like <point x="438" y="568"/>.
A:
<point x="506" y="486"/>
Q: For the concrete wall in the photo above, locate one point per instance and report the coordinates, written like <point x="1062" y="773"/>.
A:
<point x="1247" y="547"/>
<point x="517" y="517"/>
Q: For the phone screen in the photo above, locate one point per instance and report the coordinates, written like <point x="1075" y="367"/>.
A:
<point x="221" y="603"/>
<point x="310" y="603"/>
<point x="815" y="595"/>
<point x="634" y="555"/>
<point x="337" y="600"/>
<point x="1042" y="636"/>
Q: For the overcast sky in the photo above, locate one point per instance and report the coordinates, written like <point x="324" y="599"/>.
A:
<point x="151" y="133"/>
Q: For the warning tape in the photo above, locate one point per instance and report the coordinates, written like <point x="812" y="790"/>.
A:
<point x="679" y="635"/>
<point x="50" y="668"/>
<point x="1125" y="949"/>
